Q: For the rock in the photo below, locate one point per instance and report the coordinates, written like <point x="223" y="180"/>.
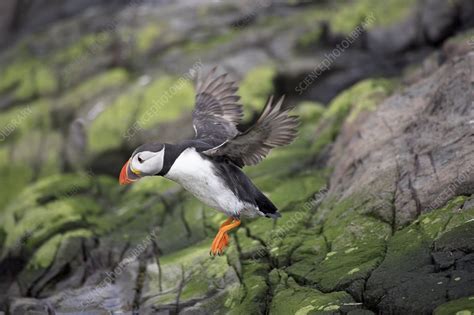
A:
<point x="6" y="18"/>
<point x="466" y="9"/>
<point x="437" y="19"/>
<point x="362" y="96"/>
<point x="403" y="141"/>
<point x="375" y="194"/>
<point x="409" y="274"/>
<point x="239" y="62"/>
<point x="291" y="298"/>
<point x="195" y="279"/>
<point x="396" y="38"/>
<point x="25" y="306"/>
<point x="75" y="146"/>
<point x="459" y="45"/>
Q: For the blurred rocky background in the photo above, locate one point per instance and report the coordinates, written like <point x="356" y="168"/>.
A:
<point x="376" y="193"/>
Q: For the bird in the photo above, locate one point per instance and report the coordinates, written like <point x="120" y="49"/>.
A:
<point x="210" y="165"/>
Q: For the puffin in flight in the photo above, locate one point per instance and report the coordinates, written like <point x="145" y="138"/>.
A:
<point x="210" y="165"/>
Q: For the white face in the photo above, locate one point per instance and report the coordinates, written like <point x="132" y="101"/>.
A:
<point x="147" y="163"/>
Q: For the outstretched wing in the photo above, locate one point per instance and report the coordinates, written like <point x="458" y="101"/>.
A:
<point x="274" y="128"/>
<point x="217" y="111"/>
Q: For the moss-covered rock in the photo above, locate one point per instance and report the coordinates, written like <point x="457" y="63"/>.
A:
<point x="46" y="254"/>
<point x="309" y="38"/>
<point x="295" y="198"/>
<point x="298" y="188"/>
<point x="344" y="18"/>
<point x="362" y="96"/>
<point x="29" y="78"/>
<point x="64" y="232"/>
<point x="25" y="131"/>
<point x="256" y="87"/>
<point x="383" y="13"/>
<point x="186" y="275"/>
<point x="251" y="297"/>
<point x="278" y="163"/>
<point x="351" y="246"/>
<point x="291" y="298"/>
<point x="195" y="47"/>
<point x="138" y="109"/>
<point x="49" y="189"/>
<point x="440" y="221"/>
<point x="92" y="43"/>
<point x="348" y="223"/>
<point x="40" y="223"/>
<point x="51" y="211"/>
<point x="16" y="175"/>
<point x="187" y="223"/>
<point x="25" y="119"/>
<point x="93" y="87"/>
<point x="300" y="252"/>
<point x="309" y="112"/>
<point x="147" y="36"/>
<point x="463" y="306"/>
<point x="423" y="256"/>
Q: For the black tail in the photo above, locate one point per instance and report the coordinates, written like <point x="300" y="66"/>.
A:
<point x="243" y="187"/>
<point x="266" y="206"/>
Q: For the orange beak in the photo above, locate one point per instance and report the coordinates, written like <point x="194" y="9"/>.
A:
<point x="124" y="179"/>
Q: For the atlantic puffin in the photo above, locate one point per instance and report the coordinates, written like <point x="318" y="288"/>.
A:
<point x="209" y="166"/>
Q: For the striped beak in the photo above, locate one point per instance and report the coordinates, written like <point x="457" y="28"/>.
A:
<point x="126" y="175"/>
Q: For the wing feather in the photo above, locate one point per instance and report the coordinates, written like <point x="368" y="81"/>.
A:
<point x="274" y="128"/>
<point x="217" y="111"/>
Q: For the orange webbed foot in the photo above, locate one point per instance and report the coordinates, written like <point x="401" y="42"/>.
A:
<point x="221" y="240"/>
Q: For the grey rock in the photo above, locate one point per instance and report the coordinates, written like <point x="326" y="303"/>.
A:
<point x="403" y="138"/>
<point x="23" y="306"/>
<point x="395" y="38"/>
<point x="438" y="18"/>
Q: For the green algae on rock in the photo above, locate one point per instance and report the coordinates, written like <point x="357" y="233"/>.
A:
<point x="199" y="276"/>
<point x="463" y="306"/>
<point x="143" y="106"/>
<point x="43" y="222"/>
<point x="251" y="297"/>
<point x="362" y="96"/>
<point x="29" y="78"/>
<point x="338" y="256"/>
<point x="79" y="48"/>
<point x="16" y="175"/>
<point x="384" y="13"/>
<point x="309" y="112"/>
<point x="422" y="255"/>
<point x="46" y="254"/>
<point x="291" y="298"/>
<point x="147" y="36"/>
<point x="350" y="247"/>
<point x="309" y="38"/>
<point x="93" y="87"/>
<point x="256" y="87"/>
<point x="297" y="188"/>
<point x="55" y="205"/>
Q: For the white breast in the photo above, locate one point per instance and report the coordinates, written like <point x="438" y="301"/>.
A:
<point x="197" y="176"/>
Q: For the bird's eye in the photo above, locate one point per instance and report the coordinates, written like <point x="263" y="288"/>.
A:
<point x="140" y="160"/>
